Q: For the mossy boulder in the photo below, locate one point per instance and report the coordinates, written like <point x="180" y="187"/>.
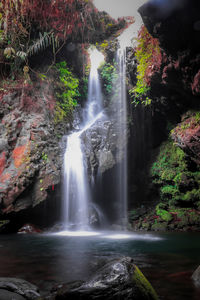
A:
<point x="118" y="279"/>
<point x="143" y="285"/>
<point x="159" y="226"/>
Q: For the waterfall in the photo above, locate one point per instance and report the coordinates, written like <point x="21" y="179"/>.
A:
<point x="77" y="195"/>
<point x="122" y="139"/>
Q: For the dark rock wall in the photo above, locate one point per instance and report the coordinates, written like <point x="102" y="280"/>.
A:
<point x="175" y="109"/>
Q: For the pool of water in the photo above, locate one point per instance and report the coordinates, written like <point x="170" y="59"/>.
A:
<point x="167" y="259"/>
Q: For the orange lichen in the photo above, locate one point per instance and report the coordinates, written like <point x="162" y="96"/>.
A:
<point x="20" y="154"/>
<point x="2" y="162"/>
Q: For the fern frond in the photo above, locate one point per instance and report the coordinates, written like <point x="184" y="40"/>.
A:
<point x="43" y="42"/>
<point x="21" y="55"/>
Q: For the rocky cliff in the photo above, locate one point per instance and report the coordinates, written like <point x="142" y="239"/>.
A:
<point x="173" y="88"/>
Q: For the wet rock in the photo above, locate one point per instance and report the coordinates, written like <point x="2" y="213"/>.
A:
<point x="30" y="156"/>
<point x="18" y="286"/>
<point x="196" y="276"/>
<point x="119" y="279"/>
<point x="6" y="295"/>
<point x="102" y="147"/>
<point x="29" y="228"/>
<point x="106" y="161"/>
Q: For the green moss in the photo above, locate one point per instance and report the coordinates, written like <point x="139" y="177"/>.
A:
<point x="68" y="93"/>
<point x="164" y="214"/>
<point x="144" y="285"/>
<point x="171" y="173"/>
<point x="162" y="226"/>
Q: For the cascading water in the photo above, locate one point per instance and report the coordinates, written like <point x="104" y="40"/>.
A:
<point x="122" y="139"/>
<point x="77" y="195"/>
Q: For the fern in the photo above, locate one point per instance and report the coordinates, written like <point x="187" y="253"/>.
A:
<point x="43" y="42"/>
<point x="21" y="55"/>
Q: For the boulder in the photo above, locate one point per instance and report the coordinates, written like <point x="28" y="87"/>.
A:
<point x="196" y="276"/>
<point x="29" y="228"/>
<point x="11" y="286"/>
<point x="6" y="295"/>
<point x="118" y="279"/>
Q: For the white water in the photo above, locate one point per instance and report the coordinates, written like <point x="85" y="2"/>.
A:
<point x="122" y="139"/>
<point x="76" y="186"/>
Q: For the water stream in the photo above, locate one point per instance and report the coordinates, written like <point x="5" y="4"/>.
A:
<point x="77" y="196"/>
<point x="122" y="138"/>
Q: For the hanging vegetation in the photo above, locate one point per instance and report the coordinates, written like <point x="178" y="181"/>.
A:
<point x="148" y="55"/>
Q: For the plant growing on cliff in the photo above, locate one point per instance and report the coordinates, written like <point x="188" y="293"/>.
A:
<point x="149" y="57"/>
<point x="28" y="26"/>
<point x="178" y="183"/>
<point x="68" y="92"/>
<point x="109" y="77"/>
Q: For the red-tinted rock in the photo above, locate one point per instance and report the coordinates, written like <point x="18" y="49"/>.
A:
<point x="2" y="162"/>
<point x="187" y="136"/>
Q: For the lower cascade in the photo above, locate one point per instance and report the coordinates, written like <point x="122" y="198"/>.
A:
<point x="79" y="209"/>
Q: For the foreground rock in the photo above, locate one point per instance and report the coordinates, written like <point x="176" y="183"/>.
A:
<point x="119" y="279"/>
<point x="19" y="289"/>
<point x="196" y="276"/>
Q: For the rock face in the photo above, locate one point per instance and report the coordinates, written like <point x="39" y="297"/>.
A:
<point x="119" y="279"/>
<point x="175" y="23"/>
<point x="29" y="148"/>
<point x="19" y="289"/>
<point x="100" y="144"/>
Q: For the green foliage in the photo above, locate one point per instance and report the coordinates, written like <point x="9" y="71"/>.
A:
<point x="44" y="156"/>
<point x="148" y="56"/>
<point x="68" y="94"/>
<point x="177" y="182"/>
<point x="139" y="93"/>
<point x="109" y="77"/>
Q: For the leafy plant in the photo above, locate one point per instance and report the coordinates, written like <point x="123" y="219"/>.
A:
<point x="171" y="172"/>
<point x="68" y="92"/>
<point x="149" y="57"/>
<point x="109" y="77"/>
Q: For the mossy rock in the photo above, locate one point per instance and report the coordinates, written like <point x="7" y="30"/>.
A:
<point x="146" y="226"/>
<point x="194" y="218"/>
<point x="163" y="214"/>
<point x="118" y="279"/>
<point x="159" y="226"/>
<point x="172" y="173"/>
<point x="143" y="285"/>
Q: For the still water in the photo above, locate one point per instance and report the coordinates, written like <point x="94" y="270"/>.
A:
<point x="167" y="259"/>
